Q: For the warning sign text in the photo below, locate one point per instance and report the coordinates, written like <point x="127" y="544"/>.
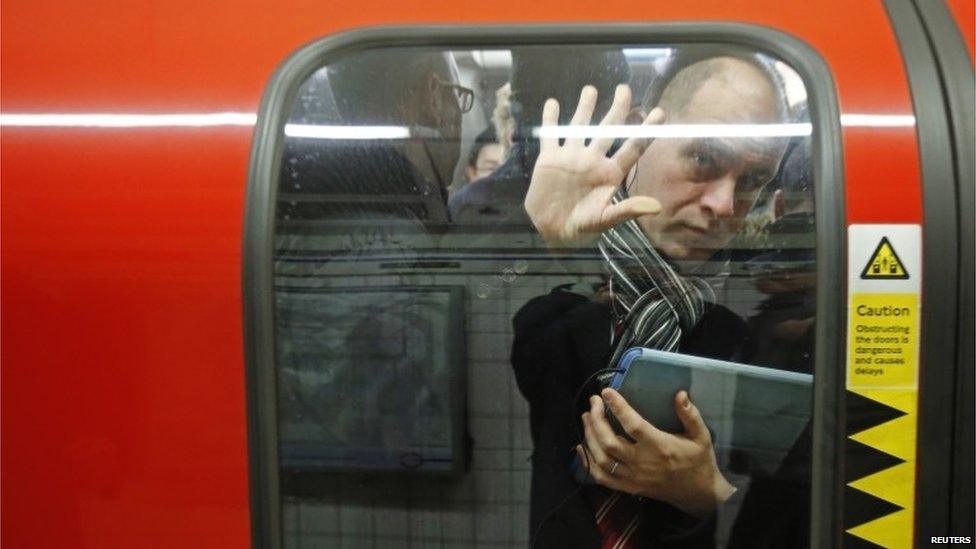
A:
<point x="883" y="340"/>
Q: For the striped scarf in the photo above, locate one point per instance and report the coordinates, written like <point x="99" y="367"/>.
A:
<point x="659" y="304"/>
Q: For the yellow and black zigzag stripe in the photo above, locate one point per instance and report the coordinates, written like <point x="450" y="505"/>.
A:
<point x="880" y="468"/>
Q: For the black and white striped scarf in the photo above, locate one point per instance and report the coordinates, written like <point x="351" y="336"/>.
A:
<point x="659" y="305"/>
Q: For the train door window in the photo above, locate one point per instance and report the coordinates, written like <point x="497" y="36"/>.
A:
<point x="544" y="293"/>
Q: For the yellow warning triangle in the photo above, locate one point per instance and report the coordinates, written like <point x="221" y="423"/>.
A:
<point x="884" y="264"/>
<point x="892" y="531"/>
<point x="896" y="484"/>
<point x="893" y="485"/>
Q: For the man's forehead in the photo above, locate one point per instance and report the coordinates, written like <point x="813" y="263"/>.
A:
<point x="752" y="154"/>
<point x="740" y="94"/>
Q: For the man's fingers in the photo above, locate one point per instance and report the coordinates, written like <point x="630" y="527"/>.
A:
<point x="584" y="112"/>
<point x="690" y="416"/>
<point x="633" y="148"/>
<point x="550" y="118"/>
<point x="628" y="209"/>
<point x="585" y="107"/>
<point x="622" y="471"/>
<point x="615" y="116"/>
<point x="612" y="444"/>
<point x="597" y="457"/>
<point x="636" y="426"/>
<point x="602" y="477"/>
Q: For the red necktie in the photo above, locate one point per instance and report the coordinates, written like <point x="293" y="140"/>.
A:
<point x="617" y="516"/>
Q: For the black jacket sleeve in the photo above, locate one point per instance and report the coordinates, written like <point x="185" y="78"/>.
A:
<point x="541" y="338"/>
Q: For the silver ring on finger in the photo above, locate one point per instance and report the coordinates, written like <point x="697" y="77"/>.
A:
<point x="613" y="468"/>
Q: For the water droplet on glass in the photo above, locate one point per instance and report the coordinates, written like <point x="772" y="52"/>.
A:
<point x="483" y="291"/>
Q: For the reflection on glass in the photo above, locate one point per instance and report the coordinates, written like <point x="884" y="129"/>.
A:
<point x="367" y="380"/>
<point x="457" y="260"/>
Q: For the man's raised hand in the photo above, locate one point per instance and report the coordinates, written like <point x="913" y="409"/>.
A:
<point x="569" y="197"/>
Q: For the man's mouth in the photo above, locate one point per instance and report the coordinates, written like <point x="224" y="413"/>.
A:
<point x="694" y="239"/>
<point x="702" y="232"/>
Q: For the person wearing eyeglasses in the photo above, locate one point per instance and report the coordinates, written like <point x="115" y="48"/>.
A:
<point x="402" y="178"/>
<point x="537" y="73"/>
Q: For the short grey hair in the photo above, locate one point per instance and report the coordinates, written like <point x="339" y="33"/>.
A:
<point x="691" y="70"/>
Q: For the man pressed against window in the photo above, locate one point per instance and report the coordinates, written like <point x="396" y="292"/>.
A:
<point x="683" y="199"/>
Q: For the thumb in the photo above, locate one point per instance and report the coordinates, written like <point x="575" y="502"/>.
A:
<point x="628" y="209"/>
<point x="690" y="417"/>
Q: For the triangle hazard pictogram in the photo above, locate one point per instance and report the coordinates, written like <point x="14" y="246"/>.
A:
<point x="884" y="264"/>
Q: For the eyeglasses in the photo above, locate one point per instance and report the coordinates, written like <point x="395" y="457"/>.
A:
<point x="465" y="96"/>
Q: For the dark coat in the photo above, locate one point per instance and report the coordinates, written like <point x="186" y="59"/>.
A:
<point x="561" y="339"/>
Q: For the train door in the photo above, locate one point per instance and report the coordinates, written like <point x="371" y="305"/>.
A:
<point x="414" y="340"/>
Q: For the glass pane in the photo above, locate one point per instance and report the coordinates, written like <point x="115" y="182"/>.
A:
<point x="461" y="266"/>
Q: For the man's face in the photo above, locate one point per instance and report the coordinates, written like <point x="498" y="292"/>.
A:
<point x="489" y="158"/>
<point x="446" y="116"/>
<point x="706" y="186"/>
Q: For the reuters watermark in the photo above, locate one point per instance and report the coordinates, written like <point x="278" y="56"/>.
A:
<point x="951" y="540"/>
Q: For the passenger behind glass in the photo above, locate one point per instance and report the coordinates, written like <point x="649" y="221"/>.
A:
<point x="485" y="156"/>
<point x="501" y="118"/>
<point x="783" y="333"/>
<point x="334" y="178"/>
<point x="783" y="323"/>
<point x="537" y="74"/>
<point x="681" y="205"/>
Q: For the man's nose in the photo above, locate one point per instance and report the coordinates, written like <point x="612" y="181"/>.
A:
<point x="718" y="197"/>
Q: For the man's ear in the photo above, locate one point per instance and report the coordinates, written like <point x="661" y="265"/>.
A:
<point x="779" y="204"/>
<point x="470" y="173"/>
<point x="432" y="100"/>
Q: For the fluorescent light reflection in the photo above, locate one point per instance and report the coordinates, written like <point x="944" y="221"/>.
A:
<point x="310" y="131"/>
<point x="877" y="120"/>
<point x="674" y="130"/>
<point x="647" y="53"/>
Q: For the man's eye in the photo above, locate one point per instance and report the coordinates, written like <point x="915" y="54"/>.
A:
<point x="702" y="166"/>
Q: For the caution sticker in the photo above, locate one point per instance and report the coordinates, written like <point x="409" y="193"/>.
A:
<point x="884" y="281"/>
<point x="884" y="264"/>
<point x="883" y="309"/>
<point x="884" y="341"/>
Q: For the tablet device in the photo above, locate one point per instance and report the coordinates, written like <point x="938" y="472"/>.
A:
<point x="755" y="412"/>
